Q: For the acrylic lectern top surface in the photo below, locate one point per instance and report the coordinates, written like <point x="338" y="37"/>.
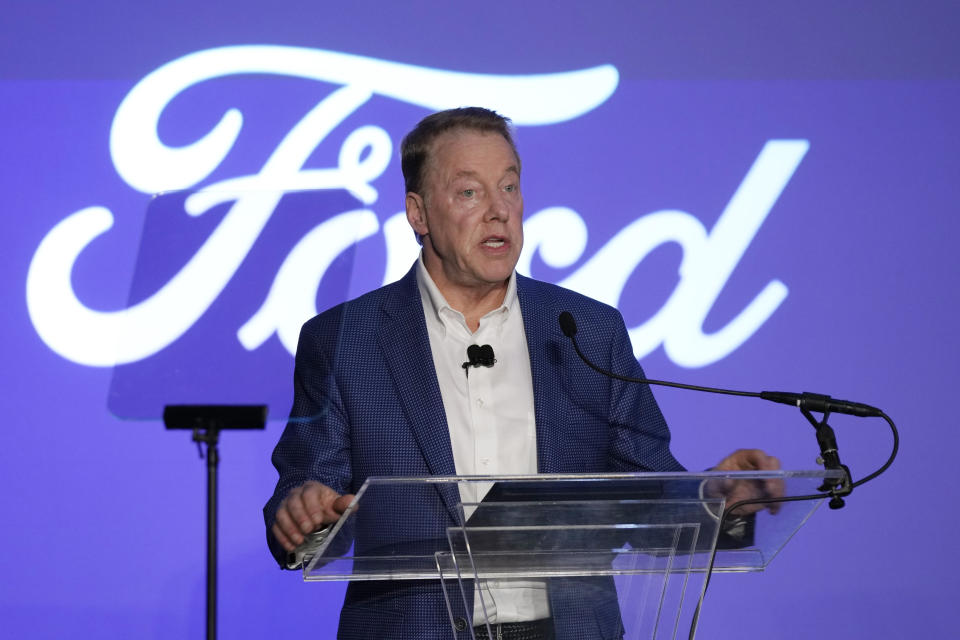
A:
<point x="550" y="525"/>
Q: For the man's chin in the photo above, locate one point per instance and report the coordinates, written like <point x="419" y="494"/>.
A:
<point x="499" y="275"/>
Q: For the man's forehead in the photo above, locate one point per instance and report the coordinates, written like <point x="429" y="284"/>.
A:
<point x="470" y="173"/>
<point x="449" y="152"/>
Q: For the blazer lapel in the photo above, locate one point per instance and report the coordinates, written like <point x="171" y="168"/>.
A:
<point x="402" y="336"/>
<point x="539" y="320"/>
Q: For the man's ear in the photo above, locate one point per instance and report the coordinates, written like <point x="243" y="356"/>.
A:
<point x="417" y="213"/>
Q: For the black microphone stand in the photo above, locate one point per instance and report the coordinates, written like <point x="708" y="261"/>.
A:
<point x="830" y="459"/>
<point x="206" y="422"/>
<point x="210" y="436"/>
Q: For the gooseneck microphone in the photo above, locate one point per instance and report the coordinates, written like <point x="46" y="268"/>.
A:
<point x="804" y="401"/>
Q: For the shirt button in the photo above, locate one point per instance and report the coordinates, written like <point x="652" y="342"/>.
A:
<point x="480" y="402"/>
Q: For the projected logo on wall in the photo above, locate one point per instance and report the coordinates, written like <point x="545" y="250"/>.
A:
<point x="183" y="336"/>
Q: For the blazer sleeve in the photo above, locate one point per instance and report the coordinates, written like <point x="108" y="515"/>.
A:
<point x="315" y="444"/>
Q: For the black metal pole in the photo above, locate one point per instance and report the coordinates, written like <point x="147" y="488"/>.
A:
<point x="213" y="460"/>
<point x="206" y="421"/>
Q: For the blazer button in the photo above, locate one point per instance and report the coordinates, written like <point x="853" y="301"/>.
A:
<point x="460" y="624"/>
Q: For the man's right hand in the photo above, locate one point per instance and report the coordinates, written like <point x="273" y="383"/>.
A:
<point x="305" y="509"/>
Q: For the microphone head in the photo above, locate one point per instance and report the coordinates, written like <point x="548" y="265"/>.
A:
<point x="486" y="357"/>
<point x="473" y="353"/>
<point x="567" y="324"/>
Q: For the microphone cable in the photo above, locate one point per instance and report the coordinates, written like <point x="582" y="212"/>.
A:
<point x="806" y="402"/>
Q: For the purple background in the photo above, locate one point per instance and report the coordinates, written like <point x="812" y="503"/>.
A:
<point x="103" y="532"/>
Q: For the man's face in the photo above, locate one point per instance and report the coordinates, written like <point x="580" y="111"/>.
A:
<point x="470" y="213"/>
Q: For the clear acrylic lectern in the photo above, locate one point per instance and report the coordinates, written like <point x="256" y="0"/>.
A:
<point x="628" y="552"/>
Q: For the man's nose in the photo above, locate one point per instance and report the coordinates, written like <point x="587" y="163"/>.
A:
<point x="498" y="208"/>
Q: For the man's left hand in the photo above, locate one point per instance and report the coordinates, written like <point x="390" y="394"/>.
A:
<point x="736" y="490"/>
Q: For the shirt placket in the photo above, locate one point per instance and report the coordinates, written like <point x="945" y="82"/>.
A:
<point x="483" y="402"/>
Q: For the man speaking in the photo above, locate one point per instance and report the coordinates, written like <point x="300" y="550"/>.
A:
<point x="460" y="368"/>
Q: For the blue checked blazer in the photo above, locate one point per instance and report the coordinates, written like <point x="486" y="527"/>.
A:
<point x="367" y="403"/>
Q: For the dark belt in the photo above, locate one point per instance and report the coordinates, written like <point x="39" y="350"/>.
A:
<point x="533" y="630"/>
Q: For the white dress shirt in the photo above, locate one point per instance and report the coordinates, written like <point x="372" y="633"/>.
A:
<point x="490" y="416"/>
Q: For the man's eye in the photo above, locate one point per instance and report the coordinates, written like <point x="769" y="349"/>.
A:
<point x="468" y="193"/>
<point x="510" y="188"/>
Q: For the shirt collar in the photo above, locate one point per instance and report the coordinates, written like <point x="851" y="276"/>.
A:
<point x="435" y="304"/>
